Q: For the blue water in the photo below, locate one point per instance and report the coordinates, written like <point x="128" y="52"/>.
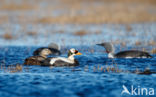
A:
<point x="85" y="80"/>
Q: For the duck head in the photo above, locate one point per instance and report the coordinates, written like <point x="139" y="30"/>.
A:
<point x="72" y="52"/>
<point x="45" y="52"/>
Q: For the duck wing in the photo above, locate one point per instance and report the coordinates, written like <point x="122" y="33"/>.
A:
<point x="63" y="63"/>
<point x="58" y="62"/>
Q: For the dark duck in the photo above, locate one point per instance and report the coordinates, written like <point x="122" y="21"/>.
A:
<point x="62" y="61"/>
<point x="52" y="47"/>
<point x="124" y="54"/>
<point x="37" y="60"/>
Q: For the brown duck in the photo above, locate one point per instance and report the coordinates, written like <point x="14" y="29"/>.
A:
<point x="37" y="60"/>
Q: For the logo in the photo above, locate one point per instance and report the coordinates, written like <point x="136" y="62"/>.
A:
<point x="137" y="90"/>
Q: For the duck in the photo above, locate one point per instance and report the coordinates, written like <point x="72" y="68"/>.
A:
<point x="123" y="54"/>
<point x="37" y="60"/>
<point x="52" y="47"/>
<point x="63" y="61"/>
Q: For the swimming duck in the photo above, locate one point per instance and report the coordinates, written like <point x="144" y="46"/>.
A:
<point x="61" y="61"/>
<point x="52" y="47"/>
<point x="36" y="60"/>
<point x="124" y="54"/>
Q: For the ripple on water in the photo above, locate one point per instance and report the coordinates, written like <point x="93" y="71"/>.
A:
<point x="88" y="79"/>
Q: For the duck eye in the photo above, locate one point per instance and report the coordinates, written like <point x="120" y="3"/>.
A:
<point x="107" y="51"/>
<point x="76" y="51"/>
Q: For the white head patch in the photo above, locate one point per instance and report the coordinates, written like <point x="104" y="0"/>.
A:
<point x="72" y="50"/>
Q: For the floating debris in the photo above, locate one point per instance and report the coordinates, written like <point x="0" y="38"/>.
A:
<point x="32" y="33"/>
<point x="81" y="33"/>
<point x="8" y="36"/>
<point x="153" y="51"/>
<point x="16" y="68"/>
<point x="137" y="43"/>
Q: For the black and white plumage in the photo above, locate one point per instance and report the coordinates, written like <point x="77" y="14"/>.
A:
<point x="62" y="61"/>
<point x="53" y="48"/>
<point x="124" y="54"/>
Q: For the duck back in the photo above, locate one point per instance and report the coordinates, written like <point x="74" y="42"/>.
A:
<point x="133" y="54"/>
<point x="34" y="60"/>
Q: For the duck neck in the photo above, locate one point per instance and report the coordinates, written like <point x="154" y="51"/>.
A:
<point x="44" y="56"/>
<point x="110" y="55"/>
<point x="71" y="57"/>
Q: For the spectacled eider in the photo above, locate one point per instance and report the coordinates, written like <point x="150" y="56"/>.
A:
<point x="36" y="60"/>
<point x="53" y="48"/>
<point x="124" y="54"/>
<point x="61" y="61"/>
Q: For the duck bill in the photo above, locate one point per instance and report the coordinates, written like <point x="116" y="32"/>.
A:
<point x="79" y="53"/>
<point x="99" y="44"/>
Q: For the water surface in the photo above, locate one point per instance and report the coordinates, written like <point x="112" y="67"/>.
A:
<point x="85" y="80"/>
